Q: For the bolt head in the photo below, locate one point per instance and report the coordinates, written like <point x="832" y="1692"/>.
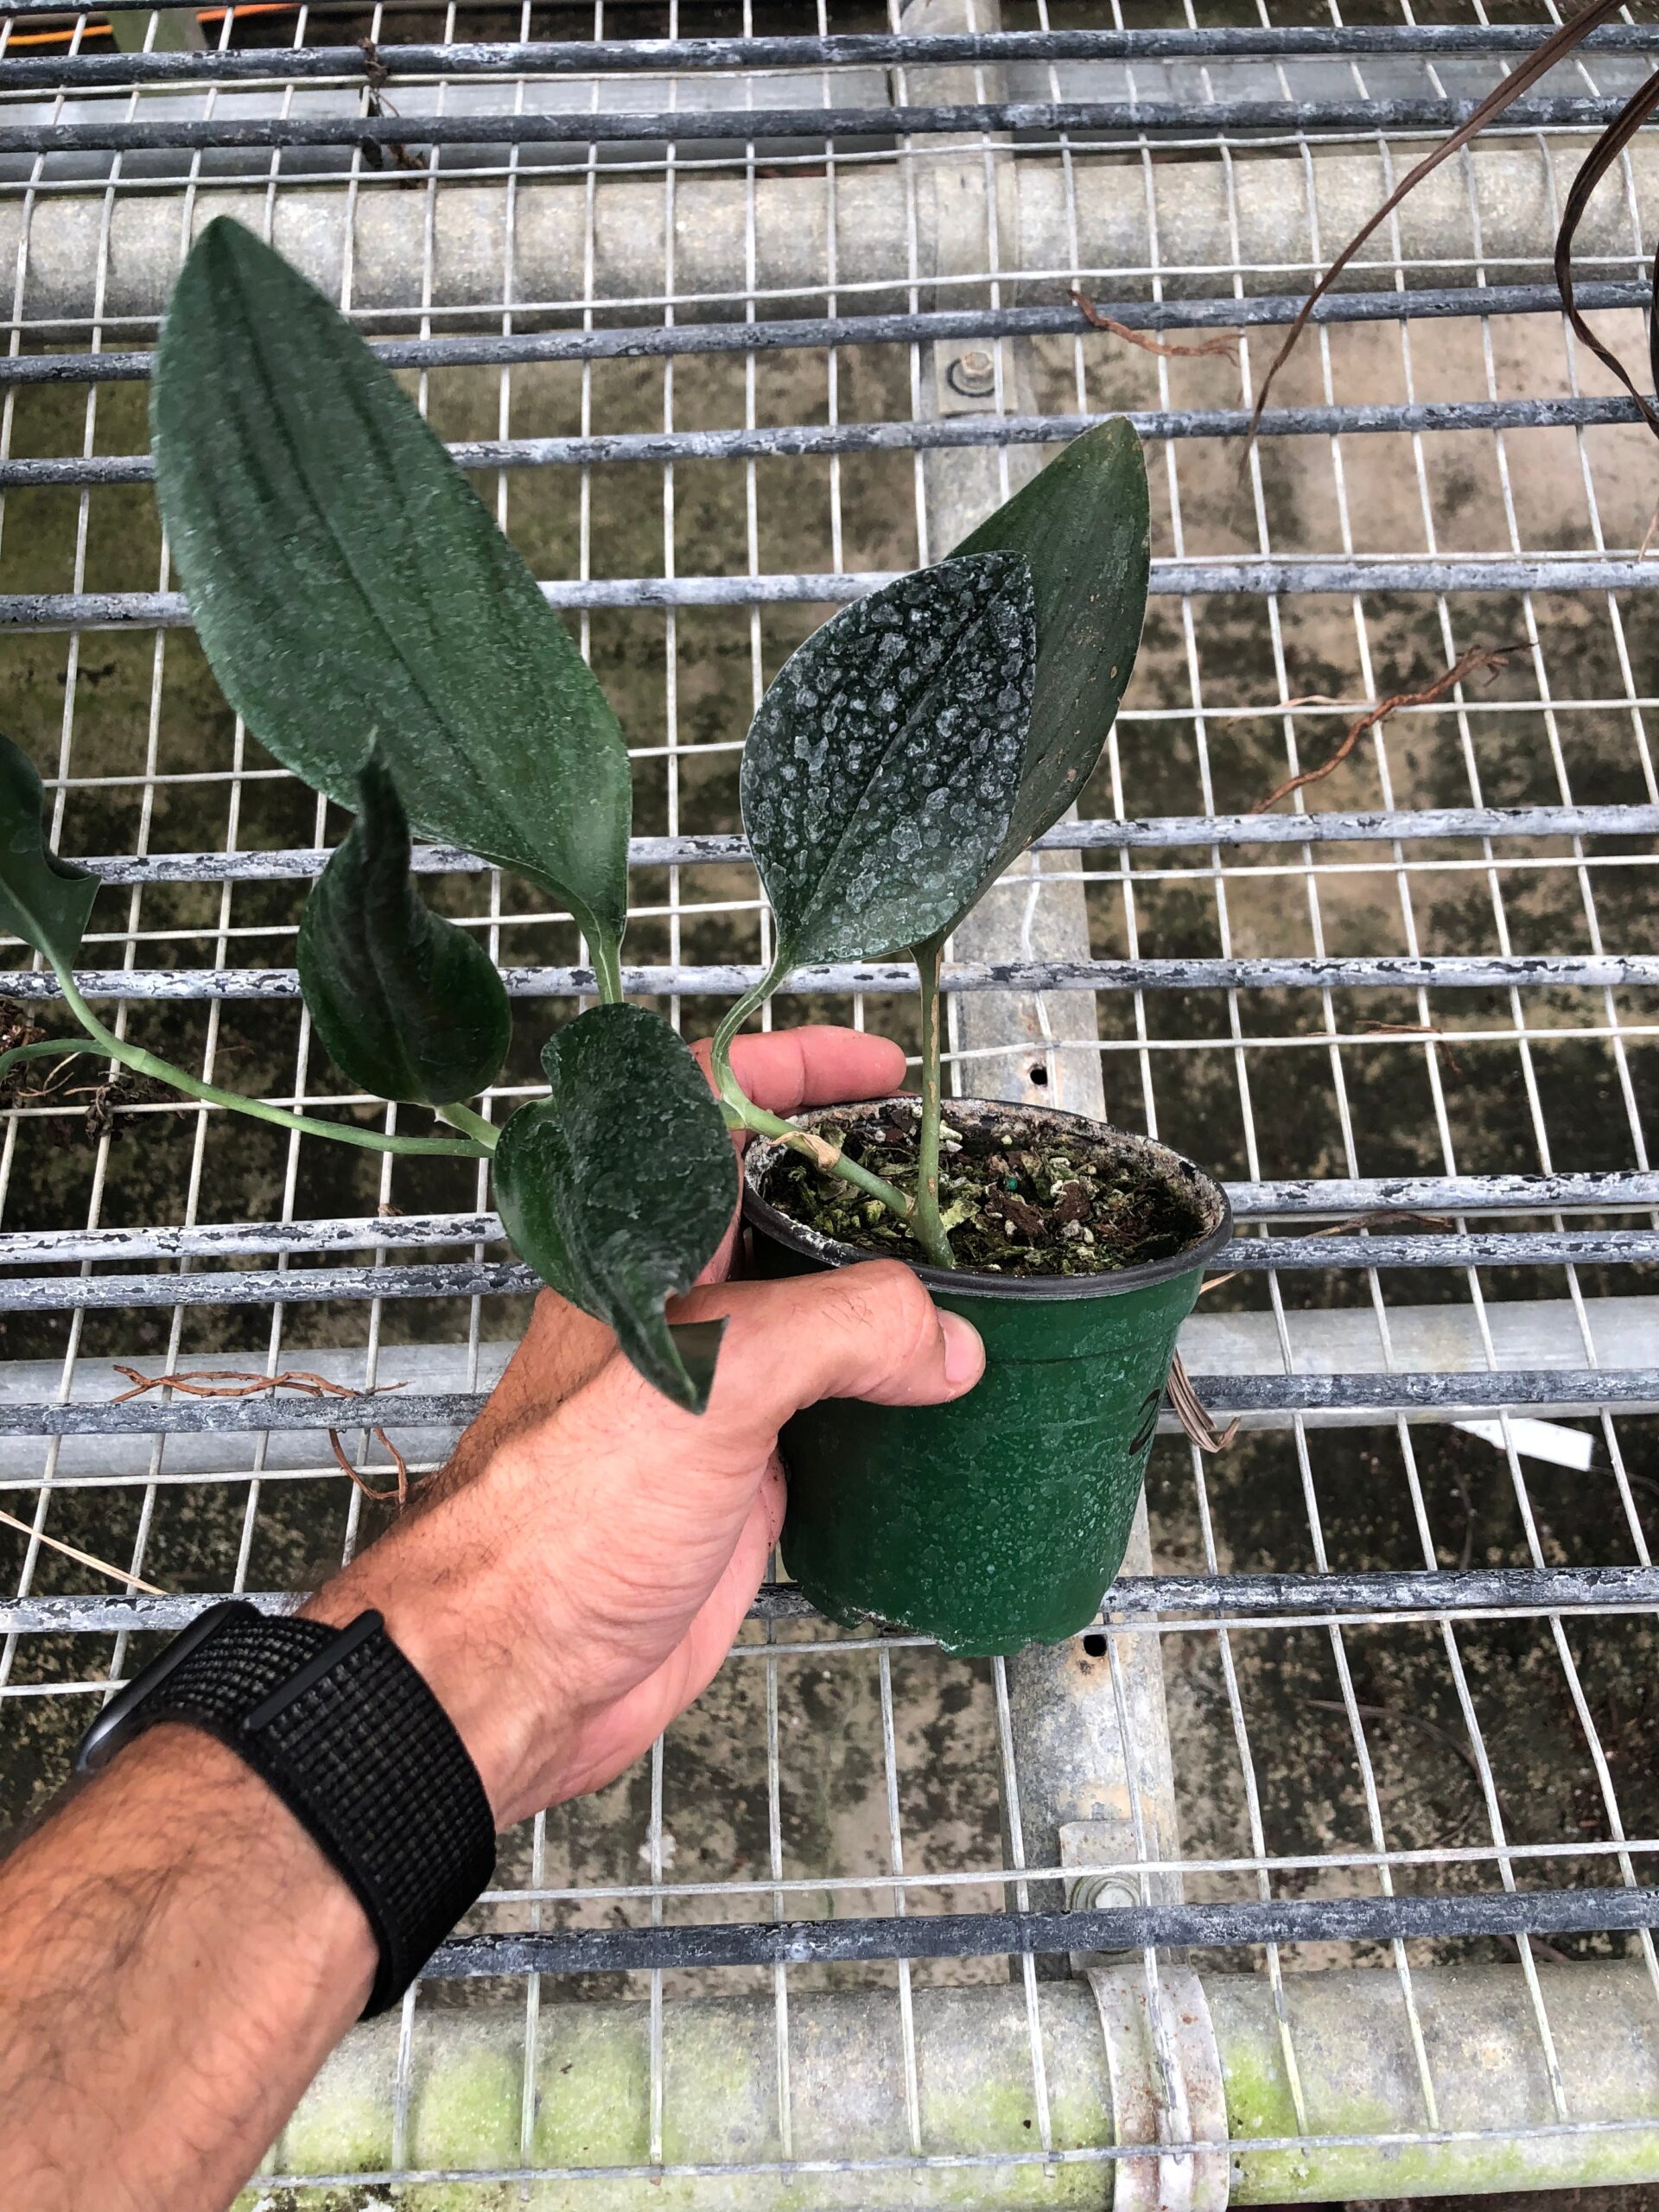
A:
<point x="973" y="373"/>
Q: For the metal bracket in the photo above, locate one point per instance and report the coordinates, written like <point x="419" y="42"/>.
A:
<point x="1164" y="2070"/>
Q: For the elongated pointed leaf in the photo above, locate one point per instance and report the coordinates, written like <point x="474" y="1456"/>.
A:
<point x="1083" y="525"/>
<point x="879" y="774"/>
<point x="46" y="902"/>
<point x="619" y="1186"/>
<point x="407" y="1005"/>
<point x="346" y="580"/>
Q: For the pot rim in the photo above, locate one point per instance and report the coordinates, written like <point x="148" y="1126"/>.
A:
<point x="830" y="1252"/>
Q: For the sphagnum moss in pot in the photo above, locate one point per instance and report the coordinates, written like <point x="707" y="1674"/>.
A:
<point x="385" y="642"/>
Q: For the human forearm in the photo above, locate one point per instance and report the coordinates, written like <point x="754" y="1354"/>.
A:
<point x="176" y="1959"/>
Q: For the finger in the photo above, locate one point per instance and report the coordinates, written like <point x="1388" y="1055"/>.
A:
<point x="866" y="1331"/>
<point x="787" y="1069"/>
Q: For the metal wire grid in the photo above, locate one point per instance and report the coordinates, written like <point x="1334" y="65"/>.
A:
<point x="781" y="1649"/>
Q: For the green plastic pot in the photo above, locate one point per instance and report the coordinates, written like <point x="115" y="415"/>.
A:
<point x="999" y="1520"/>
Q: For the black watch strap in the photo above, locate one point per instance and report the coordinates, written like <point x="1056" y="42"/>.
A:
<point x="343" y="1728"/>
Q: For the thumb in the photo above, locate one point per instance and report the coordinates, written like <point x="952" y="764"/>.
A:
<point x="867" y="1331"/>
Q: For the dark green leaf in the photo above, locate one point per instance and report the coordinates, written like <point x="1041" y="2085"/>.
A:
<point x="879" y="773"/>
<point x="1083" y="525"/>
<point x="619" y="1186"/>
<point x="408" y="1006"/>
<point x="346" y="580"/>
<point x="46" y="902"/>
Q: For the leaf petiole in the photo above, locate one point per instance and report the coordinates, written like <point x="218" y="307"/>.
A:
<point x="143" y="1063"/>
<point x="928" y="1229"/>
<point x="741" y="1112"/>
<point x="470" y="1124"/>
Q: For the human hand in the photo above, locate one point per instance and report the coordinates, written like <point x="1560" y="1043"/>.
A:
<point x="579" y="1578"/>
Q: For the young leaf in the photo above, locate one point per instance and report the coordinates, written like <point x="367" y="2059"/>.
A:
<point x="46" y="902"/>
<point x="879" y="775"/>
<point x="344" y="580"/>
<point x="408" y="1006"/>
<point x="621" y="1185"/>
<point x="1084" y="526"/>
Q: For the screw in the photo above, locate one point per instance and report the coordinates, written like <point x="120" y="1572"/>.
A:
<point x="973" y="374"/>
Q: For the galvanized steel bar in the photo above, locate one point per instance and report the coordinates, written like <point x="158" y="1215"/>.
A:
<point x="740" y="126"/>
<point x="1435" y="1393"/>
<point x="795" y="441"/>
<point x="1252" y="576"/>
<point x="1339" y="1197"/>
<point x="1378" y="1593"/>
<point x="489" y="1278"/>
<point x="1020" y="1934"/>
<point x="1526" y="971"/>
<point x="632" y="342"/>
<point x="1154" y="833"/>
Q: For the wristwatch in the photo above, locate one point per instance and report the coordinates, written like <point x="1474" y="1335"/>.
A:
<point x="340" y="1725"/>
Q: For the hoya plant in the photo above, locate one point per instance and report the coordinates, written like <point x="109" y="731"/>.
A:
<point x="385" y="643"/>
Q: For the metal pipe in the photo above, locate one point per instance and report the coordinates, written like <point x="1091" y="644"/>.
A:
<point x="1245" y="575"/>
<point x="503" y="1279"/>
<point x="1201" y="1598"/>
<point x="603" y="57"/>
<point x="975" y="431"/>
<point x="408" y="257"/>
<point x="1366" y="2133"/>
<point x="1436" y="1394"/>
<point x="1267" y="309"/>
<point x="1169" y="831"/>
<point x="1526" y="971"/>
<point x="1453" y="1194"/>
<point x="531" y="126"/>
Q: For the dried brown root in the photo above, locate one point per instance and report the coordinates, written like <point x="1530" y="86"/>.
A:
<point x="398" y="1494"/>
<point x="1096" y="321"/>
<point x="225" y="1382"/>
<point x="1466" y="664"/>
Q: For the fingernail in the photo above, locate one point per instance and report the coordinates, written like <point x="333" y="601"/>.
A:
<point x="965" y="1350"/>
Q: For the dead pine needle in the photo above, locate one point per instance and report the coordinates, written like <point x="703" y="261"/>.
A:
<point x="1171" y="351"/>
<point x="81" y="1558"/>
<point x="1478" y="658"/>
<point x="1189" y="1411"/>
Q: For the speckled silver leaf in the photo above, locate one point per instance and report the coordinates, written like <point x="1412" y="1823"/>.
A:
<point x="344" y="580"/>
<point x="618" y="1187"/>
<point x="879" y="774"/>
<point x="1083" y="525"/>
<point x="407" y="1005"/>
<point x="46" y="902"/>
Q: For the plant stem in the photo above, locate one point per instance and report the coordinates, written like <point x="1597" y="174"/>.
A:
<point x="607" y="969"/>
<point x="143" y="1063"/>
<point x="741" y="1112"/>
<point x="470" y="1124"/>
<point x="928" y="1229"/>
